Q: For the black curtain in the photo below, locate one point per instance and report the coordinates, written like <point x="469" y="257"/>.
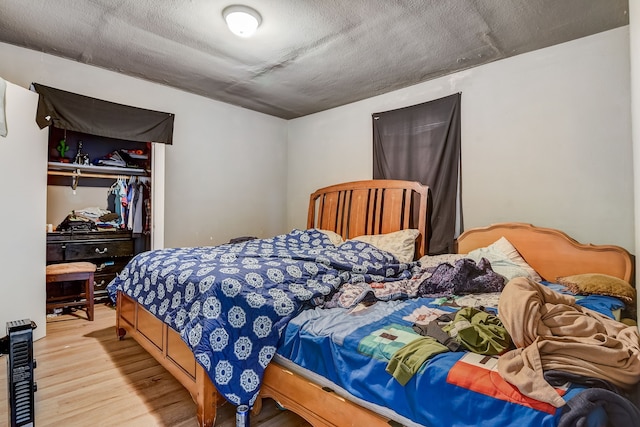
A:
<point x="422" y="143"/>
<point x="67" y="110"/>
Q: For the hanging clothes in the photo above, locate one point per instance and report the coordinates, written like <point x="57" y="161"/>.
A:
<point x="146" y="206"/>
<point x="123" y="202"/>
<point x="114" y="201"/>
<point x="131" y="202"/>
<point x="138" y="204"/>
<point x="131" y="194"/>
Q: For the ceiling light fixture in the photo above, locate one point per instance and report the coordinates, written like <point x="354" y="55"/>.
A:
<point x="242" y="20"/>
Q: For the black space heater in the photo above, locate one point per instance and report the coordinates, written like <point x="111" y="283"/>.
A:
<point x="18" y="345"/>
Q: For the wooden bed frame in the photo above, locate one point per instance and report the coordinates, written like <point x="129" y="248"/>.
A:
<point x="352" y="209"/>
<point x="551" y="252"/>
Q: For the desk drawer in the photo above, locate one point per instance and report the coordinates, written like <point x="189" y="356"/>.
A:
<point x="100" y="286"/>
<point x="110" y="266"/>
<point x="102" y="249"/>
<point x="55" y="252"/>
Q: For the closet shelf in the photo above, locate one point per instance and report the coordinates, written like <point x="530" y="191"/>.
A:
<point x="92" y="171"/>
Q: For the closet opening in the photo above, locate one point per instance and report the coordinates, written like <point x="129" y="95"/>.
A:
<point x="99" y="205"/>
<point x="105" y="183"/>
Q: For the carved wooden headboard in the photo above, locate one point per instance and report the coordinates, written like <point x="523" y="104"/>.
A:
<point x="551" y="252"/>
<point x="376" y="206"/>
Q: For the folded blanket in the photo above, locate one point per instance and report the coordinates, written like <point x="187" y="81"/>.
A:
<point x="553" y="333"/>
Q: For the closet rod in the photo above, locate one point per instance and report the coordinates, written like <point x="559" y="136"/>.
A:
<point x="89" y="175"/>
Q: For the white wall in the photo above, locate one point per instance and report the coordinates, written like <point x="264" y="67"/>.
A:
<point x="634" y="52"/>
<point x="225" y="172"/>
<point x="61" y="200"/>
<point x="546" y="139"/>
<point x="22" y="242"/>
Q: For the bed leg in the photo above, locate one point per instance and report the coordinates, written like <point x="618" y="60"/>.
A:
<point x="206" y="418"/>
<point x="121" y="333"/>
<point x="257" y="406"/>
<point x="206" y="398"/>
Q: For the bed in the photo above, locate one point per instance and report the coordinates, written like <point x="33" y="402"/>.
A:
<point x="345" y="212"/>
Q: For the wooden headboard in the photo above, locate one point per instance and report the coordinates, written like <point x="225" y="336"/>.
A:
<point x="368" y="207"/>
<point x="550" y="252"/>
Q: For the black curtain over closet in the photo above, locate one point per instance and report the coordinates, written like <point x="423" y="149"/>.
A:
<point x="422" y="143"/>
<point x="67" y="110"/>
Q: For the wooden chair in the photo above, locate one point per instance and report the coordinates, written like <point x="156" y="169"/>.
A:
<point x="72" y="271"/>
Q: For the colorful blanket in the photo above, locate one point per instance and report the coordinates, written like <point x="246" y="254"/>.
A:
<point x="350" y="350"/>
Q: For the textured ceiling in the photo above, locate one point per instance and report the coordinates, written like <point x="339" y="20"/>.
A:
<point x="308" y="55"/>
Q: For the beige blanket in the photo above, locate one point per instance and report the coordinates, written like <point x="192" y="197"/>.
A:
<point x="551" y="332"/>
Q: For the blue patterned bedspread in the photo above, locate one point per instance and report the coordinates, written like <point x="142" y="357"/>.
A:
<point x="231" y="303"/>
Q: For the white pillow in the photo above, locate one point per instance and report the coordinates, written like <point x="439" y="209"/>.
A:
<point x="335" y="238"/>
<point x="401" y="244"/>
<point x="505" y="260"/>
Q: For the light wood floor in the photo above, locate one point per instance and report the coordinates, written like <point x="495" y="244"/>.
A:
<point x="86" y="376"/>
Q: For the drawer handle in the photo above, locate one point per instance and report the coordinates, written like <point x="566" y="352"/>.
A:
<point x="104" y="265"/>
<point x="98" y="284"/>
<point x="104" y="251"/>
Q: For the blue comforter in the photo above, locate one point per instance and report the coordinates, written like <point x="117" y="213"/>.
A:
<point x="231" y="303"/>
